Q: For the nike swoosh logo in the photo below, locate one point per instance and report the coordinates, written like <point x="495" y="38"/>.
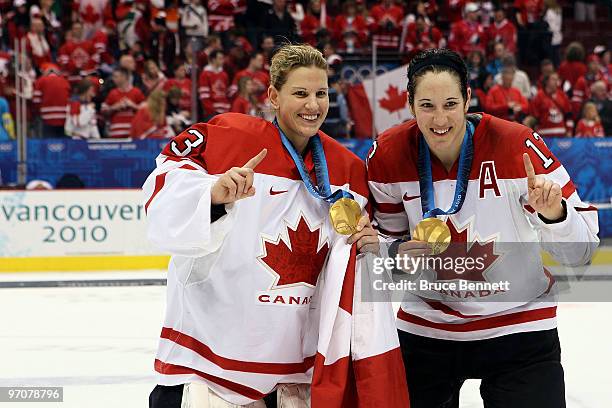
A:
<point x="272" y="192"/>
<point x="409" y="198"/>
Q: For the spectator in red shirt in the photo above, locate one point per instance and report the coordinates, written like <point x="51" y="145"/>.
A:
<point x="573" y="67"/>
<point x="590" y="124"/>
<point x="466" y="34"/>
<point x="502" y="30"/>
<point x="314" y="22"/>
<point x="386" y="24"/>
<point x="582" y="88"/>
<point x="213" y="86"/>
<point x="550" y="111"/>
<point x="350" y="29"/>
<point x="182" y="82"/>
<point x="78" y="57"/>
<point x="104" y="40"/>
<point x="50" y="100"/>
<point x="420" y="36"/>
<point x="261" y="79"/>
<point x="121" y="104"/>
<point x="221" y="13"/>
<point x="454" y="10"/>
<point x="150" y="119"/>
<point x="505" y="101"/>
<point x="245" y="102"/>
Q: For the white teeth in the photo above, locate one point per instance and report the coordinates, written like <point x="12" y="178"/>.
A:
<point x="310" y="117"/>
<point x="441" y="132"/>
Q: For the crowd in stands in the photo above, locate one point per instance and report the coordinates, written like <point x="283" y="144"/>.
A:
<point x="147" y="69"/>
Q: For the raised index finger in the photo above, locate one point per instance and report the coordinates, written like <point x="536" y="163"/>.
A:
<point x="251" y="164"/>
<point x="529" y="170"/>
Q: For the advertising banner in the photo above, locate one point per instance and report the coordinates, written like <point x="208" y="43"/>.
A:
<point x="87" y="225"/>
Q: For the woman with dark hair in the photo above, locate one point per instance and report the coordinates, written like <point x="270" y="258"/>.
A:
<point x="475" y="183"/>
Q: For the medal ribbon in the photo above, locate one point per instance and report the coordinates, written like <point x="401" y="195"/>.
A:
<point x="322" y="190"/>
<point x="463" y="174"/>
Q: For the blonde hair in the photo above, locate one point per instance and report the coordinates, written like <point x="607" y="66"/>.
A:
<point x="590" y="105"/>
<point x="289" y="57"/>
<point x="156" y="103"/>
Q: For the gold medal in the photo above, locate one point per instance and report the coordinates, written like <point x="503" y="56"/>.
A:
<point x="435" y="232"/>
<point x="344" y="215"/>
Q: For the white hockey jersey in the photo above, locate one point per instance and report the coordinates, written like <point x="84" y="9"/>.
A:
<point x="264" y="295"/>
<point x="495" y="223"/>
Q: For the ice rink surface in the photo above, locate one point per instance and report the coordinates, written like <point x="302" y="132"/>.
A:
<point x="99" y="343"/>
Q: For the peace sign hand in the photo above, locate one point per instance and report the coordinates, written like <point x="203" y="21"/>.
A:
<point x="236" y="183"/>
<point x="544" y="196"/>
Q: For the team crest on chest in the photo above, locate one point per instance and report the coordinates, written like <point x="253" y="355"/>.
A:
<point x="467" y="245"/>
<point x="295" y="258"/>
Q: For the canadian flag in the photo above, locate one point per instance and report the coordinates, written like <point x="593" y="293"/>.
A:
<point x="391" y="102"/>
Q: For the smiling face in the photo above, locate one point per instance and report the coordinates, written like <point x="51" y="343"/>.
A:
<point x="301" y="104"/>
<point x="440" y="111"/>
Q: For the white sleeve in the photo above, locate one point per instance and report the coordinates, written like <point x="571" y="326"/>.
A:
<point x="178" y="208"/>
<point x="572" y="241"/>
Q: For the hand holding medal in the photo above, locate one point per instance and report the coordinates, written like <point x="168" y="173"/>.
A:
<point x="435" y="232"/>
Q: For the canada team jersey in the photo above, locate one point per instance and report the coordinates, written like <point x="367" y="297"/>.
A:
<point x="495" y="223"/>
<point x="254" y="297"/>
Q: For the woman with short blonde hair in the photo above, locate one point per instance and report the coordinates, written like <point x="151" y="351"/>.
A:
<point x="260" y="284"/>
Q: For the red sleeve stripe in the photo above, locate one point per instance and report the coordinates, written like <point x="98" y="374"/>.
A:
<point x="387" y="232"/>
<point x="568" y="189"/>
<point x="589" y="208"/>
<point x="235" y="365"/>
<point x="482" y="324"/>
<point x="160" y="180"/>
<point x="389" y="208"/>
<point x="171" y="369"/>
<point x="529" y="208"/>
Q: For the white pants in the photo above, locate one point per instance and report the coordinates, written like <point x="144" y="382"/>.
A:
<point x="198" y="395"/>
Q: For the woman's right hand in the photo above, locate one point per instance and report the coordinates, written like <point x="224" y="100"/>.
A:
<point x="236" y="183"/>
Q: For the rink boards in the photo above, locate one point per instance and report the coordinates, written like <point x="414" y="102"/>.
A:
<point x="76" y="230"/>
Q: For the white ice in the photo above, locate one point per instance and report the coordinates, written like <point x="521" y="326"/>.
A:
<point x="99" y="344"/>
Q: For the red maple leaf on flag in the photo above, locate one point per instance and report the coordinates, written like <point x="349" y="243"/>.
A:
<point x="461" y="248"/>
<point x="302" y="261"/>
<point x="395" y="101"/>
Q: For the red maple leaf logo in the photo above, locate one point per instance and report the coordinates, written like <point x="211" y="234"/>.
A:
<point x="395" y="101"/>
<point x="299" y="262"/>
<point x="461" y="248"/>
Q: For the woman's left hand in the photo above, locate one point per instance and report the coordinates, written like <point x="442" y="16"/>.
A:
<point x="544" y="195"/>
<point x="366" y="237"/>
